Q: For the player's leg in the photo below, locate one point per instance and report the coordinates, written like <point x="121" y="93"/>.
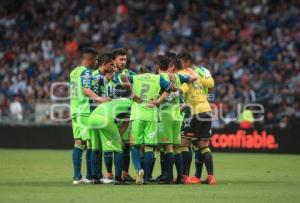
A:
<point x="137" y="141"/>
<point x="85" y="133"/>
<point x="177" y="150"/>
<point x="150" y="140"/>
<point x="204" y="140"/>
<point x="126" y="152"/>
<point x="169" y="163"/>
<point x="96" y="156"/>
<point x="108" y="160"/>
<point x="178" y="160"/>
<point x="88" y="160"/>
<point x="186" y="155"/>
<point x="162" y="163"/>
<point x="198" y="162"/>
<point x="153" y="165"/>
<point x="77" y="152"/>
<point x="113" y="143"/>
<point x="164" y="136"/>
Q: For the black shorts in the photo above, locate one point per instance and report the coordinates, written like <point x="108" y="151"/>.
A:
<point x="198" y="127"/>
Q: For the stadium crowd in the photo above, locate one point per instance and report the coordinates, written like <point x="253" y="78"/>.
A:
<point x="251" y="48"/>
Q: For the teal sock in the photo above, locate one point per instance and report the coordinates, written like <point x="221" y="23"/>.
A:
<point x="198" y="163"/>
<point x="95" y="164"/>
<point x="99" y="168"/>
<point x="136" y="157"/>
<point x="179" y="165"/>
<point x="76" y="156"/>
<point x="169" y="163"/>
<point x="152" y="167"/>
<point x="108" y="161"/>
<point x="118" y="159"/>
<point x="88" y="164"/>
<point x="162" y="163"/>
<point x="148" y="160"/>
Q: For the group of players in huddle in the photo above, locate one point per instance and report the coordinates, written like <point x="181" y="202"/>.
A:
<point x="118" y="115"/>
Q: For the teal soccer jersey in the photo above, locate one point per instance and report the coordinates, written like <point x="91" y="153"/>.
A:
<point x="170" y="119"/>
<point x="144" y="119"/>
<point x="80" y="77"/>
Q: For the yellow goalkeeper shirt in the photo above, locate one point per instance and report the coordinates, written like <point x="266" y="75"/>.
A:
<point x="194" y="94"/>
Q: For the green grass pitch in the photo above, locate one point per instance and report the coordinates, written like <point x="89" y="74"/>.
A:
<point x="45" y="176"/>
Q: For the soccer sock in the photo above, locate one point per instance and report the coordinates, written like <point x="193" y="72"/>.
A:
<point x="198" y="163"/>
<point x="118" y="159"/>
<point x="169" y="160"/>
<point x="76" y="156"/>
<point x="99" y="165"/>
<point x="162" y="162"/>
<point x="152" y="167"/>
<point x="208" y="160"/>
<point x="148" y="159"/>
<point x="187" y="159"/>
<point x="126" y="158"/>
<point x="108" y="161"/>
<point x="88" y="164"/>
<point x="136" y="157"/>
<point x="95" y="164"/>
<point x="190" y="158"/>
<point x="142" y="158"/>
<point x="178" y="163"/>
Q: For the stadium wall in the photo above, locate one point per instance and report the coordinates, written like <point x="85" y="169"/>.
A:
<point x="223" y="140"/>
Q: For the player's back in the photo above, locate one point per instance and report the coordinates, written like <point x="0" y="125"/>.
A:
<point x="80" y="77"/>
<point x="147" y="87"/>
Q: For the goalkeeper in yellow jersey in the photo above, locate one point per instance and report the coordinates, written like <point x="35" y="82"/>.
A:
<point x="197" y="129"/>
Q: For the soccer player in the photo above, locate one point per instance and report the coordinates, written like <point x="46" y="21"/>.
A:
<point x="170" y="120"/>
<point x="205" y="74"/>
<point x="199" y="127"/>
<point x="81" y="95"/>
<point x="101" y="77"/>
<point x="104" y="119"/>
<point x="143" y="115"/>
<point x="120" y="87"/>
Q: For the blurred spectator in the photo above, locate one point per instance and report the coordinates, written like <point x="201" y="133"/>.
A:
<point x="16" y="110"/>
<point x="270" y="120"/>
<point x="251" y="47"/>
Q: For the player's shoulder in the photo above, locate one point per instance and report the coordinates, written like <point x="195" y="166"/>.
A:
<point x="131" y="72"/>
<point x="206" y="71"/>
<point x="96" y="72"/>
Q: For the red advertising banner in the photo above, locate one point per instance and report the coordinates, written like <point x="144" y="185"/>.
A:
<point x="256" y="140"/>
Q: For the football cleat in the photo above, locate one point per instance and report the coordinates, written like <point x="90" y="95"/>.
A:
<point x="179" y="180"/>
<point x="139" y="177"/>
<point x="185" y="179"/>
<point x="97" y="181"/>
<point x="108" y="178"/>
<point x="211" y="180"/>
<point x="77" y="181"/>
<point x="120" y="182"/>
<point x="194" y="180"/>
<point x="126" y="177"/>
<point x="87" y="181"/>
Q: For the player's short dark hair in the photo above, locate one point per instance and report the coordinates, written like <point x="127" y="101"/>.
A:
<point x="105" y="58"/>
<point x="162" y="62"/>
<point x="119" y="52"/>
<point x="185" y="56"/>
<point x="175" y="61"/>
<point x="171" y="54"/>
<point x="89" y="50"/>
